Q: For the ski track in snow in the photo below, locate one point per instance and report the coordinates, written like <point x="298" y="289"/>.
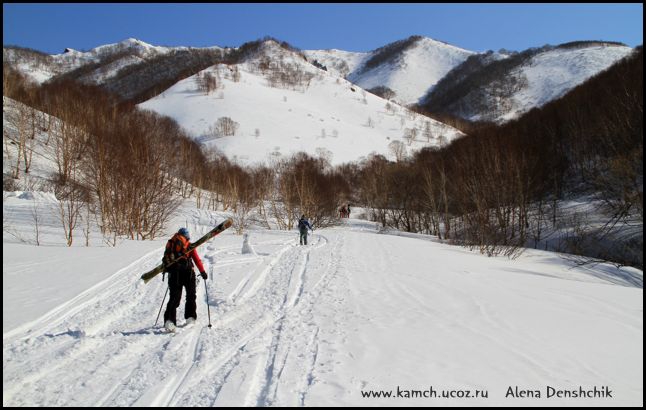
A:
<point x="97" y="349"/>
<point x="295" y="326"/>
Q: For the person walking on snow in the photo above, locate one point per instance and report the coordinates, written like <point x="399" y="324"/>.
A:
<point x="181" y="275"/>
<point x="303" y="225"/>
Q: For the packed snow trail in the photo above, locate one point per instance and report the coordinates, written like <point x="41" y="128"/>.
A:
<point x="110" y="326"/>
<point x="355" y="311"/>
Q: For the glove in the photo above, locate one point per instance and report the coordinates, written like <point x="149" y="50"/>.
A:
<point x="204" y="275"/>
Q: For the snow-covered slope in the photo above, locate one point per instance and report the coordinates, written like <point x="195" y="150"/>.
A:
<point x="412" y="74"/>
<point x="355" y="313"/>
<point x="494" y="89"/>
<point x="338" y="62"/>
<point x="119" y="55"/>
<point x="16" y="119"/>
<point x="552" y="74"/>
<point x="321" y="113"/>
<point x="410" y="67"/>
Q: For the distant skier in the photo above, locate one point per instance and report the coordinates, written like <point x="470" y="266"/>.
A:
<point x="303" y="225"/>
<point x="347" y="211"/>
<point x="181" y="274"/>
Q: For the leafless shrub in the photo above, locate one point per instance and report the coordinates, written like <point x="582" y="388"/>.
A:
<point x="223" y="127"/>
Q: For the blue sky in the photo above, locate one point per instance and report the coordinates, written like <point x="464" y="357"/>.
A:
<point x="353" y="27"/>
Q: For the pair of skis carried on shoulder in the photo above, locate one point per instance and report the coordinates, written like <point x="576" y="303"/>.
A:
<point x="210" y="234"/>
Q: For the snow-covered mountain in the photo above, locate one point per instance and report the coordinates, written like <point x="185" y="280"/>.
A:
<point x="104" y="61"/>
<point x="480" y="86"/>
<point x="409" y="67"/>
<point x="551" y="74"/>
<point x="499" y="88"/>
<point x="284" y="104"/>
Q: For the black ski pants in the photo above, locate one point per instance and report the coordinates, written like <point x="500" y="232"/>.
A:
<point x="178" y="279"/>
<point x="303" y="236"/>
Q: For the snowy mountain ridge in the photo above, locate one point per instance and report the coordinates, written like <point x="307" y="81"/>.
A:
<point x="282" y="104"/>
<point x="410" y="68"/>
<point x="329" y="111"/>
<point x="499" y="88"/>
<point x="42" y="67"/>
<point x="418" y="64"/>
<point x="417" y="68"/>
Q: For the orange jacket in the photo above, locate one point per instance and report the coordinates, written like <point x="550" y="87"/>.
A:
<point x="177" y="247"/>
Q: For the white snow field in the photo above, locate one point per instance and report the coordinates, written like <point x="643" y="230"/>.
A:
<point x="551" y="74"/>
<point x="330" y="115"/>
<point x="415" y="72"/>
<point x="411" y="74"/>
<point x="354" y="313"/>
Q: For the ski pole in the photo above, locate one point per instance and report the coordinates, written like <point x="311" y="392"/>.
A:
<point x="208" y="308"/>
<point x="162" y="305"/>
